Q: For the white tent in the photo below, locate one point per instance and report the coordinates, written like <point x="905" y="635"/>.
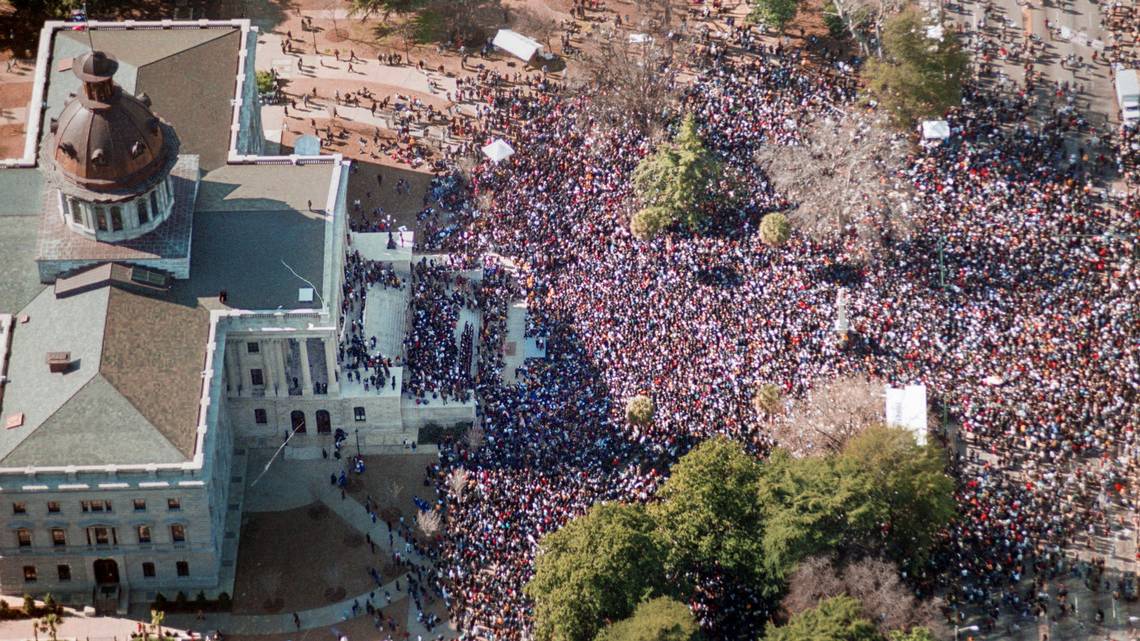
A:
<point x="906" y="408"/>
<point x="935" y="130"/>
<point x="638" y="38"/>
<point x="516" y="44"/>
<point x="498" y="150"/>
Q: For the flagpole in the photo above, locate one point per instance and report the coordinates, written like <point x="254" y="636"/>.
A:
<point x="87" y="27"/>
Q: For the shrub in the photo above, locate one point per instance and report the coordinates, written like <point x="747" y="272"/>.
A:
<point x="639" y="410"/>
<point x="29" y="605"/>
<point x="768" y="399"/>
<point x="264" y="82"/>
<point x="224" y="601"/>
<point x="775" y="229"/>
<point x="180" y="599"/>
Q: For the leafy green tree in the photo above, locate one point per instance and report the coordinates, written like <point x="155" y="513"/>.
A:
<point x="882" y="494"/>
<point x="49" y="624"/>
<point x="709" y="515"/>
<point x="774" y="13"/>
<point x="768" y="399"/>
<point x="678" y="183"/>
<point x="918" y="77"/>
<point x="598" y="567"/>
<point x="804" y="504"/>
<point x="661" y="619"/>
<point x="157" y="618"/>
<point x="902" y="489"/>
<point x="835" y="619"/>
<point x="914" y="634"/>
<point x="45" y="9"/>
<point x="639" y="410"/>
<point x="775" y="230"/>
<point x="648" y="222"/>
<point x="367" y="8"/>
<point x="265" y="82"/>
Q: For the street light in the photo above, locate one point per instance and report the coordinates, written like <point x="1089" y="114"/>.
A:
<point x="968" y="628"/>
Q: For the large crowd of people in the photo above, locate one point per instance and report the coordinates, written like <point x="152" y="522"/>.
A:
<point x="1012" y="301"/>
<point x="1022" y="331"/>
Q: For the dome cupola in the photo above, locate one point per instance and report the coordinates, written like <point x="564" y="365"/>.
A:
<point x="111" y="156"/>
<point x="105" y="139"/>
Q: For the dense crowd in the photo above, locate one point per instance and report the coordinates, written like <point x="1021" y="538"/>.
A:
<point x="1013" y="302"/>
<point x="1029" y="343"/>
<point x="358" y="355"/>
<point x="438" y="365"/>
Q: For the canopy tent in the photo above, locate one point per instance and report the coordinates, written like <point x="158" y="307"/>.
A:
<point x="516" y="44"/>
<point x="639" y="38"/>
<point x="498" y="150"/>
<point x="906" y="408"/>
<point x="935" y="130"/>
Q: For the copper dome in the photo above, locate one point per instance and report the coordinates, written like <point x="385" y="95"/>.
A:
<point x="105" y="139"/>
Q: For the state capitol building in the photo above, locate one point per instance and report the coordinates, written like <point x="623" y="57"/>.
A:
<point x="170" y="296"/>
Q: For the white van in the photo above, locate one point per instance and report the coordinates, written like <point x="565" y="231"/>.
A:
<point x="1128" y="96"/>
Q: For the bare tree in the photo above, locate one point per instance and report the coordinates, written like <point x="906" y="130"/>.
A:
<point x="331" y="574"/>
<point x="836" y="411"/>
<point x="632" y="84"/>
<point x="536" y="22"/>
<point x="658" y="21"/>
<point x="864" y="20"/>
<point x="768" y="401"/>
<point x="813" y="581"/>
<point x="858" y="190"/>
<point x="875" y="583"/>
<point x="475" y="437"/>
<point x="457" y="482"/>
<point x="393" y="489"/>
<point x="429" y="522"/>
<point x="268" y="581"/>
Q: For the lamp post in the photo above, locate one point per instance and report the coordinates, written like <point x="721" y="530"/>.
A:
<point x="968" y="628"/>
<point x="357" y="430"/>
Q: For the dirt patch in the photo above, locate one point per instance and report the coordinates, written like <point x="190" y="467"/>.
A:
<point x="292" y="561"/>
<point x="392" y="481"/>
<point x="402" y="206"/>
<point x="393" y="620"/>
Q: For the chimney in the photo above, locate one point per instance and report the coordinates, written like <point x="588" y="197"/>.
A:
<point x="58" y="362"/>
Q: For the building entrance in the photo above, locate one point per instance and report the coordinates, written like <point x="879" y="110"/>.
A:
<point x="106" y="572"/>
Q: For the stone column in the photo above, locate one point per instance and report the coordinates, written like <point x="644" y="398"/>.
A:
<point x="233" y="371"/>
<point x="279" y="347"/>
<point x="331" y="366"/>
<point x="269" y="366"/>
<point x="306" y="376"/>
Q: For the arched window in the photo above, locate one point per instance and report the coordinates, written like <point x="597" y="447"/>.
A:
<point x="76" y="211"/>
<point x="324" y="422"/>
<point x="297" y="418"/>
<point x="116" y="218"/>
<point x="144" y="215"/>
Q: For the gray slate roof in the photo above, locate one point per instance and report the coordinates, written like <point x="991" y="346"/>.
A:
<point x="189" y="75"/>
<point x="248" y="219"/>
<point x="132" y="393"/>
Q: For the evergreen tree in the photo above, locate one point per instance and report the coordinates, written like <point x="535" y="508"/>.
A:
<point x="919" y="77"/>
<point x="598" y="567"/>
<point x="661" y="619"/>
<point x="677" y="184"/>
